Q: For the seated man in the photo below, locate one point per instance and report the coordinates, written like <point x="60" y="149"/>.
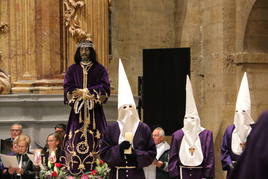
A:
<point x="60" y="128"/>
<point x="159" y="168"/>
<point x="6" y="145"/>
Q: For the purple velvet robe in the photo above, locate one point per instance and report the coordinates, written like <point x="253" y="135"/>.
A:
<point x="208" y="164"/>
<point x="78" y="148"/>
<point x="227" y="156"/>
<point x="144" y="148"/>
<point x="253" y="162"/>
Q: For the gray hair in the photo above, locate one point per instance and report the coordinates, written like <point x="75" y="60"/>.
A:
<point x="161" y="131"/>
<point x="16" y="124"/>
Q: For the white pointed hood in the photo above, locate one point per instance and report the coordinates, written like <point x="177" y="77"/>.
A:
<point x="243" y="101"/>
<point x="191" y="130"/>
<point x="125" y="95"/>
<point x="128" y="118"/>
<point x="242" y="118"/>
<point x="191" y="109"/>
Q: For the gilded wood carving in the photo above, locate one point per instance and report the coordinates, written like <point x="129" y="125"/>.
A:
<point x="71" y="21"/>
<point x="4" y="83"/>
<point x="3" y="28"/>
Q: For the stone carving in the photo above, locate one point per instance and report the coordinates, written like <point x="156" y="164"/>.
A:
<point x="3" y="28"/>
<point x="71" y="20"/>
<point x="4" y="83"/>
<point x="110" y="5"/>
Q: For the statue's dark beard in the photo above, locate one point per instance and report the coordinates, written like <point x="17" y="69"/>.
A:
<point x="85" y="60"/>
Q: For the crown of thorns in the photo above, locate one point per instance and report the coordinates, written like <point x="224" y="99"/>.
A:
<point x="85" y="43"/>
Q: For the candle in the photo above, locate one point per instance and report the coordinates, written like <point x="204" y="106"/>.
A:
<point x="37" y="157"/>
<point x="52" y="157"/>
<point x="128" y="137"/>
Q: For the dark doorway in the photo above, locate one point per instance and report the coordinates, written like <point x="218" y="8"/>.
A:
<point x="163" y="94"/>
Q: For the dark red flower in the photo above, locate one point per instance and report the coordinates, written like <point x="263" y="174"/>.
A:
<point x="54" y="174"/>
<point x="58" y="165"/>
<point x="94" y="172"/>
<point x="101" y="162"/>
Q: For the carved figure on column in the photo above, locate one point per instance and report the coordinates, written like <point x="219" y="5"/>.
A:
<point x="3" y="28"/>
<point x="4" y="83"/>
<point x="4" y="78"/>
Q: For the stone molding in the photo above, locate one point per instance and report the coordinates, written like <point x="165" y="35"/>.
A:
<point x="42" y="108"/>
<point x="249" y="58"/>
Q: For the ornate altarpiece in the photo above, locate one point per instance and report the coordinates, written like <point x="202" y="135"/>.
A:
<point x="41" y="39"/>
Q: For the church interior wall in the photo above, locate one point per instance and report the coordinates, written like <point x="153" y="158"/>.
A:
<point x="215" y="31"/>
<point x="225" y="37"/>
<point x="138" y="25"/>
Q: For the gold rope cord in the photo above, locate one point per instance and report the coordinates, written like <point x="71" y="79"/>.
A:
<point x="86" y="111"/>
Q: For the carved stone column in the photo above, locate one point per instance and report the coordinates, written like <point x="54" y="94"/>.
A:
<point x="36" y="63"/>
<point x="22" y="40"/>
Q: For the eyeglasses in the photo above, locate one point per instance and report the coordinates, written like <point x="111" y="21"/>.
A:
<point x="15" y="130"/>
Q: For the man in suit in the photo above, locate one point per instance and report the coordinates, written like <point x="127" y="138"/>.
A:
<point x="7" y="144"/>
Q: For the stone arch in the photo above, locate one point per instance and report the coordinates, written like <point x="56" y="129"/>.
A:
<point x="256" y="31"/>
<point x="243" y="10"/>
